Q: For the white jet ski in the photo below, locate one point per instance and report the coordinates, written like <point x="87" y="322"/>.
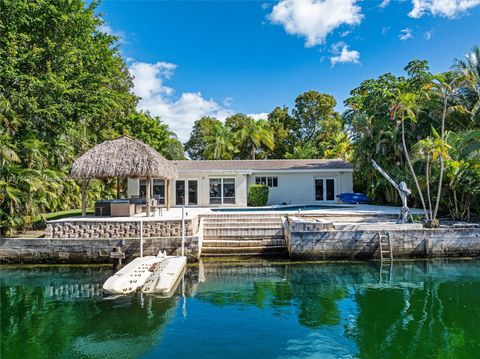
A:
<point x="133" y="276"/>
<point x="165" y="275"/>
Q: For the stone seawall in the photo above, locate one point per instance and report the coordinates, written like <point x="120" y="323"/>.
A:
<point x="95" y="229"/>
<point x="319" y="241"/>
<point x="83" y="251"/>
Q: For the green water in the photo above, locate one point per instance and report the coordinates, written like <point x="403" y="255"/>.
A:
<point x="249" y="310"/>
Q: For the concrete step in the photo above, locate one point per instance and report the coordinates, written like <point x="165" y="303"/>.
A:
<point x="242" y="215"/>
<point x="242" y="232"/>
<point x="243" y="250"/>
<point x="259" y="254"/>
<point x="244" y="221"/>
<point x="244" y="238"/>
<point x="242" y="225"/>
<point x="243" y="243"/>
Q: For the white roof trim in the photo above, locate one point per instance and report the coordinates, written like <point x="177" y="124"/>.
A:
<point x="249" y="172"/>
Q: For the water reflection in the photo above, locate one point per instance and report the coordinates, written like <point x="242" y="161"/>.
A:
<point x="249" y="309"/>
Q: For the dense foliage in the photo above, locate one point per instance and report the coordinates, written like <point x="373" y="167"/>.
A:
<point x="257" y="195"/>
<point x="423" y="128"/>
<point x="312" y="130"/>
<point x="64" y="87"/>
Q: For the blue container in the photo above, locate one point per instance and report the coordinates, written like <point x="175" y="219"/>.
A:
<point x="354" y="198"/>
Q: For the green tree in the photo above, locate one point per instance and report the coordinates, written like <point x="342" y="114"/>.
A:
<point x="285" y="130"/>
<point x="256" y="135"/>
<point x="219" y="144"/>
<point x="197" y="143"/>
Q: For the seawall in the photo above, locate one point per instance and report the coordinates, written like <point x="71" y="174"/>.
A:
<point x="321" y="240"/>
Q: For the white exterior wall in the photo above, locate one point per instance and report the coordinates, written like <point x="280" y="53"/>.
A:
<point x="294" y="187"/>
<point x="299" y="187"/>
<point x="203" y="179"/>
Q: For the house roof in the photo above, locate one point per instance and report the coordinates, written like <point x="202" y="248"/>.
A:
<point x="261" y="165"/>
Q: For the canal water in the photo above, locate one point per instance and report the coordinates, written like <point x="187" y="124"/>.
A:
<point x="249" y="309"/>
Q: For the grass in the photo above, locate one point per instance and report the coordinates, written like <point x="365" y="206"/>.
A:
<point x="39" y="223"/>
<point x="69" y="213"/>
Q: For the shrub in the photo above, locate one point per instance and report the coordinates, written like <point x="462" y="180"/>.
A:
<point x="257" y="195"/>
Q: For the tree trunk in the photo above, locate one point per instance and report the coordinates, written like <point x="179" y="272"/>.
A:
<point x="442" y="161"/>
<point x="84" y="198"/>
<point x="407" y="156"/>
<point x="253" y="152"/>
<point x="428" y="185"/>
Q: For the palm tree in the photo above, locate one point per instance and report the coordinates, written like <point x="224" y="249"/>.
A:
<point x="469" y="70"/>
<point x="444" y="88"/>
<point x="404" y="109"/>
<point x="219" y="144"/>
<point x="432" y="148"/>
<point x="257" y="134"/>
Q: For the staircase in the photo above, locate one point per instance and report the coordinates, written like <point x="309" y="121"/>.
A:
<point x="243" y="235"/>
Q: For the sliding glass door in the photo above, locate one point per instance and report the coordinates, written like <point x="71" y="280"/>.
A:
<point x="324" y="189"/>
<point x="222" y="190"/>
<point x="186" y="192"/>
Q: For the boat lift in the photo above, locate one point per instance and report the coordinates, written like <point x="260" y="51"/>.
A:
<point x="150" y="274"/>
<point x="405" y="214"/>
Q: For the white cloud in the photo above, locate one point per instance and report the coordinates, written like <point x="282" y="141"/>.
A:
<point x="258" y="116"/>
<point x="107" y="29"/>
<point x="405" y="34"/>
<point x="428" y="35"/>
<point x="179" y="112"/>
<point x="385" y="29"/>
<point x="445" y="8"/>
<point x="315" y="19"/>
<point x="344" y="55"/>
<point x="384" y="4"/>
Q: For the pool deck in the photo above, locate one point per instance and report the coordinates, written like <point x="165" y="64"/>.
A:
<point x="175" y="213"/>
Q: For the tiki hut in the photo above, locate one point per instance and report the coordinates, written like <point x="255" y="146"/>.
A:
<point x="124" y="157"/>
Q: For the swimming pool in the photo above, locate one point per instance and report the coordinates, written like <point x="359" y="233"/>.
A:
<point x="281" y="208"/>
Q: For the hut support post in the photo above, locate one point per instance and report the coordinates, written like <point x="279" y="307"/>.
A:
<point x="118" y="188"/>
<point x="148" y="196"/>
<point x="168" y="193"/>
<point x="84" y="197"/>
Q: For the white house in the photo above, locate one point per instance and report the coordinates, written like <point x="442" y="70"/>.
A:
<point x="225" y="182"/>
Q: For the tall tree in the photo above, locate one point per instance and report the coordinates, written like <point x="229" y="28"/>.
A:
<point x="256" y="135"/>
<point x="285" y="130"/>
<point x="314" y="113"/>
<point x="197" y="143"/>
<point x="220" y="144"/>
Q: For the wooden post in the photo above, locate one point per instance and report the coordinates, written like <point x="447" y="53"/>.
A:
<point x="118" y="188"/>
<point x="84" y="197"/>
<point x="147" y="196"/>
<point x="167" y="195"/>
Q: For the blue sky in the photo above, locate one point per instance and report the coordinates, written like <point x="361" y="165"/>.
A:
<point x="194" y="58"/>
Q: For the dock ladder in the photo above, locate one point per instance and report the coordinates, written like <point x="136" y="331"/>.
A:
<point x="385" y="246"/>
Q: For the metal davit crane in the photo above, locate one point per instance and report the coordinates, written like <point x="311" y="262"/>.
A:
<point x="403" y="191"/>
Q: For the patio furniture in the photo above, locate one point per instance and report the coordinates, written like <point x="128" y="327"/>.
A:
<point x="102" y="208"/>
<point x="121" y="208"/>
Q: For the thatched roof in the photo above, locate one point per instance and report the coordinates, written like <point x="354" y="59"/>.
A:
<point x="124" y="157"/>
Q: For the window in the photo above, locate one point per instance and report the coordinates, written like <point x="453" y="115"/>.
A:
<point x="229" y="190"/>
<point x="192" y="193"/>
<point x="267" y="181"/>
<point x="222" y="190"/>
<point x="324" y="189"/>
<point x="180" y="192"/>
<point x="157" y="189"/>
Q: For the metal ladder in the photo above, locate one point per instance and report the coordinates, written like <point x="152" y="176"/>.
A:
<point x="385" y="246"/>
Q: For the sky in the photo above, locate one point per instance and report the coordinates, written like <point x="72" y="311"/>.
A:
<point x="216" y="58"/>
